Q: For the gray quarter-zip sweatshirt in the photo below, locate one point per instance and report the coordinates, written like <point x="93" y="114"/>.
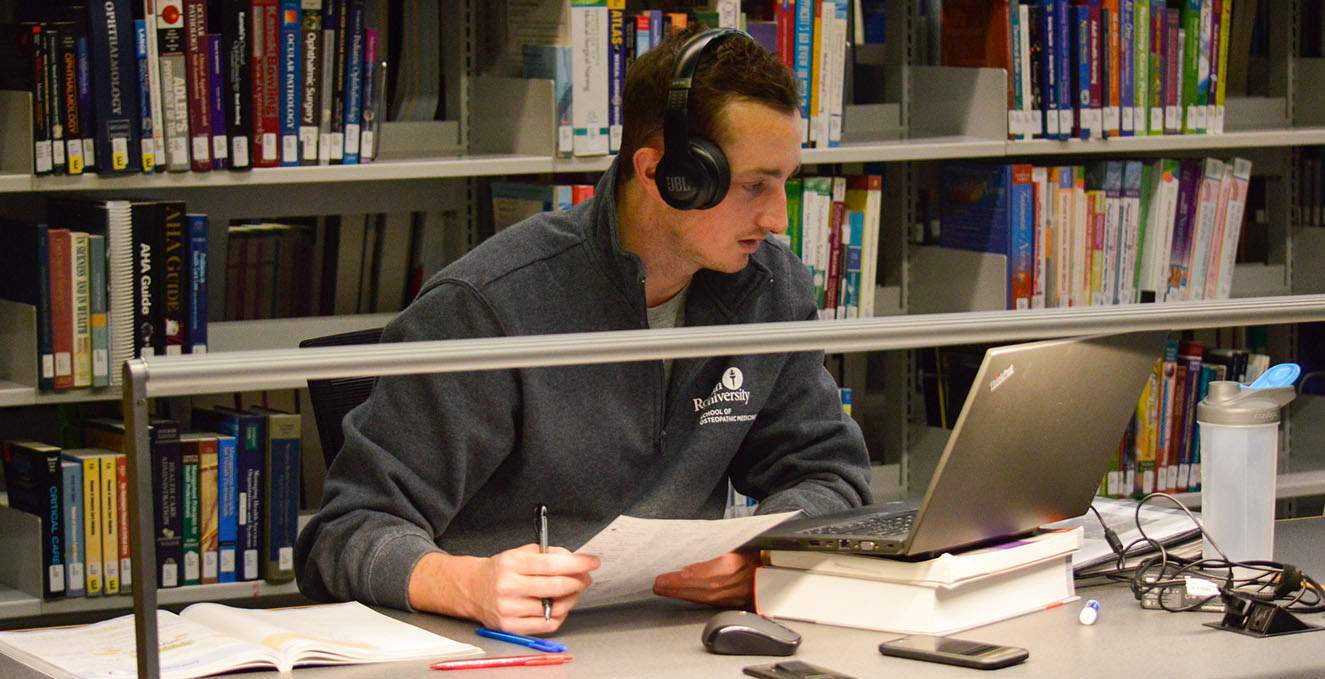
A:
<point x="456" y="462"/>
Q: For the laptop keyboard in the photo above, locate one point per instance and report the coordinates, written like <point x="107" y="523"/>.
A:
<point x="882" y="526"/>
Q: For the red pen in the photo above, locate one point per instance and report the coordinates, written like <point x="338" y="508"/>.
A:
<point x="508" y="661"/>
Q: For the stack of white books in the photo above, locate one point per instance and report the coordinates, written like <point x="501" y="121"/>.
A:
<point x="942" y="595"/>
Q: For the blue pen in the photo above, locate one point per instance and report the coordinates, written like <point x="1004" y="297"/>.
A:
<point x="531" y="642"/>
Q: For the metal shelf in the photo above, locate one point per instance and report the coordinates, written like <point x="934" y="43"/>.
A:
<point x="1281" y="137"/>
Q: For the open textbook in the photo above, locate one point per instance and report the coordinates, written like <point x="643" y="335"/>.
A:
<point x="206" y="639"/>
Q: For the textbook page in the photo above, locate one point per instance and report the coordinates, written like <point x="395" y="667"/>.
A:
<point x="635" y="551"/>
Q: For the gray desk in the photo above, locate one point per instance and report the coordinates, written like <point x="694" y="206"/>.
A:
<point x="661" y="639"/>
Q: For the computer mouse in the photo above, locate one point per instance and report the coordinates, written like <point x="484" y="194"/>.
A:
<point x="744" y="633"/>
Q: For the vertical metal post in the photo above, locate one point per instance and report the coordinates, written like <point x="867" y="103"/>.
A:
<point x="141" y="532"/>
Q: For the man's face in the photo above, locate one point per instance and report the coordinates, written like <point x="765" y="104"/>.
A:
<point x="762" y="146"/>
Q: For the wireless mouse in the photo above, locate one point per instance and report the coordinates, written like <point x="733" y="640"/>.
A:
<point x="743" y="633"/>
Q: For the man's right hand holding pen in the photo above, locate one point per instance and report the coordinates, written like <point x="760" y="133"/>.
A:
<point x="504" y="591"/>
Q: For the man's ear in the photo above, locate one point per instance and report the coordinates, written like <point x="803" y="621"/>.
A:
<point x="646" y="161"/>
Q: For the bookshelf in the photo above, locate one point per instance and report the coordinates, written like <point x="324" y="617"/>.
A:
<point x="503" y="126"/>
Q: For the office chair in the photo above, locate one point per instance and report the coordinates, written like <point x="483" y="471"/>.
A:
<point x="333" y="398"/>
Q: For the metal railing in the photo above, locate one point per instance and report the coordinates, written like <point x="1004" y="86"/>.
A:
<point x="249" y="370"/>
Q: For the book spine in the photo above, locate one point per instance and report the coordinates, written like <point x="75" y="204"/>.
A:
<point x="171" y="41"/>
<point x="1021" y="237"/>
<point x="1183" y="225"/>
<point x="196" y="79"/>
<point x="227" y="506"/>
<point x="91" y="492"/>
<point x="1131" y="231"/>
<point x="836" y="62"/>
<point x="1098" y="87"/>
<point x="311" y="77"/>
<point x="251" y="496"/>
<point x="196" y="302"/>
<point x="74" y="552"/>
<point x="280" y="522"/>
<point x="55" y="101"/>
<point x="335" y="33"/>
<point x="122" y="533"/>
<point x="589" y="61"/>
<point x="291" y="81"/>
<point x="1141" y="65"/>
<point x="81" y="309"/>
<point x="167" y="475"/>
<point x="216" y="102"/>
<point x="208" y="512"/>
<point x="145" y="301"/>
<point x="1043" y="216"/>
<point x="1173" y="59"/>
<point x="354" y="23"/>
<point x="804" y="61"/>
<point x="1191" y="65"/>
<point x="110" y="527"/>
<point x="190" y="542"/>
<point x="34" y="46"/>
<point x="72" y="107"/>
<point x="1081" y="70"/>
<point x="235" y="38"/>
<point x="616" y="70"/>
<point x="62" y="322"/>
<point x="1221" y="88"/>
<point x="1157" y="64"/>
<point x="1126" y="65"/>
<point x="147" y="129"/>
<point x="1047" y="23"/>
<point x="1237" y="202"/>
<point x="150" y="65"/>
<point x="173" y="276"/>
<point x="373" y="74"/>
<point x="35" y="483"/>
<point x="856" y="230"/>
<point x="1207" y="207"/>
<point x="265" y="46"/>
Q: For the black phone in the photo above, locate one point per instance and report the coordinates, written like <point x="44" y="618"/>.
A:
<point x="954" y="651"/>
<point x="793" y="669"/>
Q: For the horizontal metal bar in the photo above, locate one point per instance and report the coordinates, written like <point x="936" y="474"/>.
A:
<point x="249" y="370"/>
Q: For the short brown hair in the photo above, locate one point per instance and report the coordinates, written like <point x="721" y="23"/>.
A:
<point x="738" y="68"/>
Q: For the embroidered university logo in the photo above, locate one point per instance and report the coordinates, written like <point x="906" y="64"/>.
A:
<point x="717" y="407"/>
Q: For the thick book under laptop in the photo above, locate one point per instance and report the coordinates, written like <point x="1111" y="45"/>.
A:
<point x="1030" y="446"/>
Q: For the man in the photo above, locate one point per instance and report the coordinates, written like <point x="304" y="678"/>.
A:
<point x="429" y="504"/>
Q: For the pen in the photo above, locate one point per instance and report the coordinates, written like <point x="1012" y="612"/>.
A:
<point x="540" y="530"/>
<point x="531" y="642"/>
<point x="509" y="661"/>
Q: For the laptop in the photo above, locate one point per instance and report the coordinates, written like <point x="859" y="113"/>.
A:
<point x="1032" y="443"/>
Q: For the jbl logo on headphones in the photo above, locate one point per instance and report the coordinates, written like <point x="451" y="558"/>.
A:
<point x="678" y="184"/>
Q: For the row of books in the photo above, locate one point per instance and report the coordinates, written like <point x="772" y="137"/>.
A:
<point x="215" y="84"/>
<point x="1112" y="232"/>
<point x="1103" y="68"/>
<point x="588" y="61"/>
<point x="335" y="264"/>
<point x="1310" y="208"/>
<point x="514" y="201"/>
<point x="110" y="280"/>
<point x="1161" y="450"/>
<point x="942" y="595"/>
<point x="226" y="501"/>
<point x="833" y="226"/>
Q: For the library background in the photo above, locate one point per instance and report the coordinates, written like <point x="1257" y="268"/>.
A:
<point x="959" y="157"/>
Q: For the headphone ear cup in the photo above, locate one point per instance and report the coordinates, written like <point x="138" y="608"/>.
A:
<point x="714" y="175"/>
<point x="679" y="182"/>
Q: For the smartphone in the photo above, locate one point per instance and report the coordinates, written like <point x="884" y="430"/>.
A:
<point x="793" y="669"/>
<point x="954" y="651"/>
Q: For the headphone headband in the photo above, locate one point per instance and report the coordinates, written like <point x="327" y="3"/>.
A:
<point x="693" y="173"/>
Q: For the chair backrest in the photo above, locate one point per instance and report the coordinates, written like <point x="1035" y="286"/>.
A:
<point x="333" y="398"/>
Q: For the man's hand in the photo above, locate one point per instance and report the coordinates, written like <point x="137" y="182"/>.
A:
<point x="727" y="581"/>
<point x="504" y="591"/>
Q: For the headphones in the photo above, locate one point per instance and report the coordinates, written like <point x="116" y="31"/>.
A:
<point x="693" y="173"/>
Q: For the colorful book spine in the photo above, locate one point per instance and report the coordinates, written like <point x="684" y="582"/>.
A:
<point x="196" y="302"/>
<point x="236" y="48"/>
<point x="266" y="90"/>
<point x="311" y="75"/>
<point x="190" y="508"/>
<point x="172" y="271"/>
<point x="216" y="101"/>
<point x="248" y="431"/>
<point x="280" y="523"/>
<point x="74" y="551"/>
<point x="1157" y="64"/>
<point x="61" y="290"/>
<point x="208" y="507"/>
<point x="290" y="79"/>
<point x="97" y="310"/>
<point x="197" y="77"/>
<point x="1126" y="66"/>
<point x="590" y="76"/>
<point x="227" y="508"/>
<point x="804" y="61"/>
<point x="1184" y="222"/>
<point x="80" y="270"/>
<point x="91" y="492"/>
<point x="110" y="525"/>
<point x="616" y="70"/>
<point x="353" y="126"/>
<point x="335" y="43"/>
<point x="122" y="533"/>
<point x="152" y="72"/>
<point x="147" y="129"/>
<point x="172" y="66"/>
<point x="1141" y="65"/>
<point x="374" y="91"/>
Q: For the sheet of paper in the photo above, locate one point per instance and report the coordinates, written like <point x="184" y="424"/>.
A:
<point x="635" y="551"/>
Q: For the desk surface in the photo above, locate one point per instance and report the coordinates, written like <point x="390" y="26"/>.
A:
<point x="660" y="638"/>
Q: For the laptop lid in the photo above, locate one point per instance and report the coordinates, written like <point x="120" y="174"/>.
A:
<point x="1030" y="446"/>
